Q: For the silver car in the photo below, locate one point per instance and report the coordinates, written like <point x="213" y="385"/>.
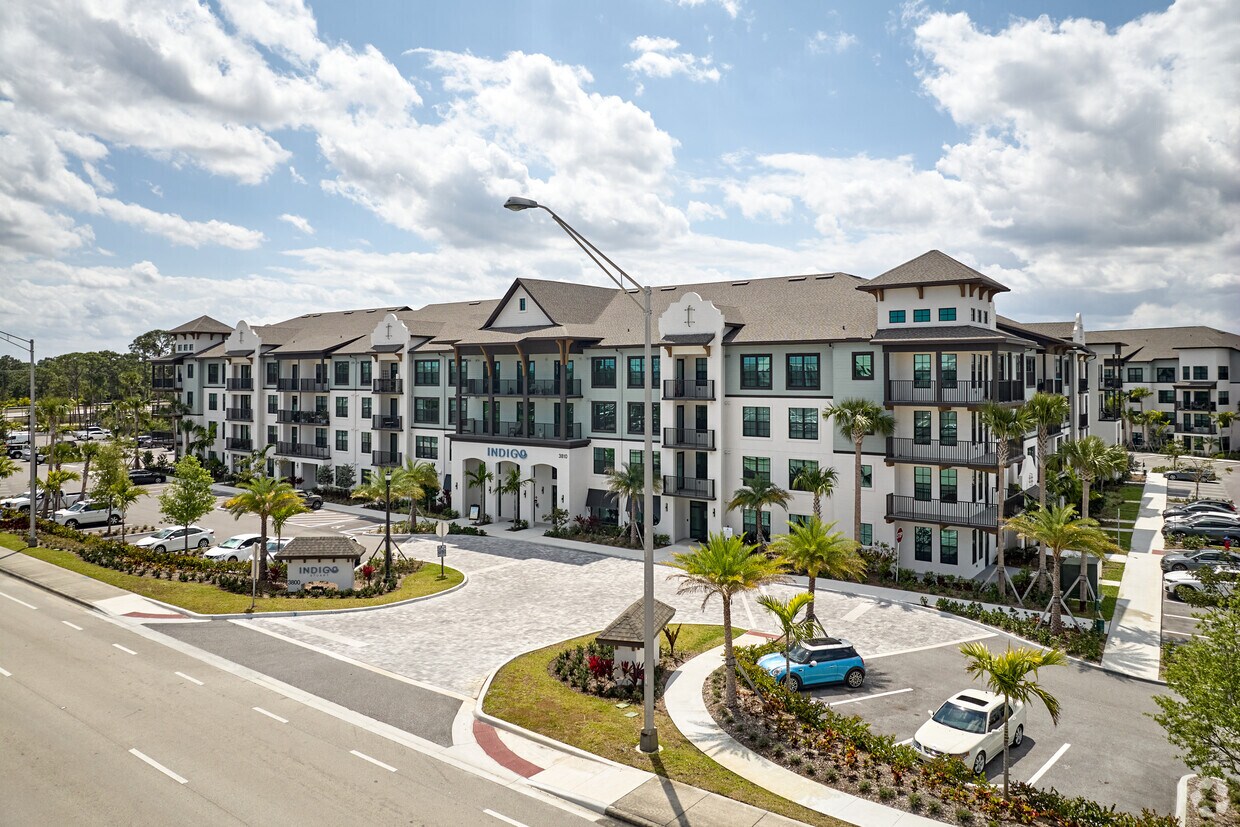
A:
<point x="84" y="513"/>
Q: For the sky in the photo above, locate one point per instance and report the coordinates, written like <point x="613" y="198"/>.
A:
<point x="259" y="159"/>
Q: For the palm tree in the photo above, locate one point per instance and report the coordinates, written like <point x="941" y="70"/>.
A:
<point x="1092" y="459"/>
<point x="513" y="483"/>
<point x="1173" y="450"/>
<point x="262" y="496"/>
<point x="1139" y="395"/>
<point x="855" y="418"/>
<point x="90" y="451"/>
<point x="1014" y="675"/>
<point x="1057" y="529"/>
<point x="55" y="484"/>
<point x="757" y="495"/>
<point x="817" y="550"/>
<point x="8" y="467"/>
<point x="724" y="567"/>
<point x="629" y="482"/>
<point x="1045" y="410"/>
<point x="280" y="516"/>
<point x="52" y="411"/>
<point x="125" y="494"/>
<point x="817" y="480"/>
<point x="794" y="630"/>
<point x="480" y="478"/>
<point x="1006" y="425"/>
<point x="412" y="480"/>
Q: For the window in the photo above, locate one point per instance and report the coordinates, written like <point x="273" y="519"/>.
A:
<point x="636" y="460"/>
<point x="867" y="535"/>
<point x="921" y="427"/>
<point x="637" y="418"/>
<point x="796" y="466"/>
<point x="947" y="428"/>
<point x="921" y="484"/>
<point x="923" y="544"/>
<point x="367" y="409"/>
<point x="947" y="485"/>
<point x="922" y="372"/>
<point x="749" y="521"/>
<point x="189" y="371"/>
<point x="1136" y="375"/>
<point x="895" y="317"/>
<point x="802" y="423"/>
<point x="603" y="372"/>
<point x="604" y="460"/>
<point x="365" y="439"/>
<point x="603" y="417"/>
<point x="754" y="468"/>
<point x="426" y="447"/>
<point x="342" y="440"/>
<point x="803" y="372"/>
<point x="755" y="421"/>
<point x="273" y="373"/>
<point x="363" y="372"/>
<point x="320" y="404"/>
<point x="1166" y="397"/>
<point x="1224" y="372"/>
<point x="521" y="305"/>
<point x="867" y="476"/>
<point x="798" y="519"/>
<point x="342" y="406"/>
<point x="654" y="376"/>
<point x="922" y="315"/>
<point x="637" y="371"/>
<point x="756" y="372"/>
<point x="426" y="372"/>
<point x="452" y="409"/>
<point x="1200" y="373"/>
<point x="271" y="435"/>
<point x="947" y="369"/>
<point x="273" y="403"/>
<point x="341" y="374"/>
<point x="212" y="402"/>
<point x="213" y="373"/>
<point x="1184" y="372"/>
<point x="949" y="546"/>
<point x="1164" y="374"/>
<point x="863" y="366"/>
<point x="1224" y="398"/>
<point x="426" y="411"/>
<point x="947" y="314"/>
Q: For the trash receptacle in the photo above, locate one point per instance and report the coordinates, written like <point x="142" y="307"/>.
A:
<point x="1100" y="623"/>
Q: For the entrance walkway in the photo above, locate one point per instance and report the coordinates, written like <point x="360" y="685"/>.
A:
<point x="1134" y="645"/>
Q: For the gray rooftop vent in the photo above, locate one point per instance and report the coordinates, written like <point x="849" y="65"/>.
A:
<point x="665" y="289"/>
<point x="797" y="278"/>
<point x="827" y="276"/>
<point x="739" y="283"/>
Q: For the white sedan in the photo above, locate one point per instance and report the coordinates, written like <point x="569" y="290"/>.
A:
<point x="239" y="547"/>
<point x="177" y="539"/>
<point x="969" y="726"/>
<point x="1177" y="583"/>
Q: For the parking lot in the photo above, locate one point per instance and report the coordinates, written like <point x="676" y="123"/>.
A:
<point x="1178" y="623"/>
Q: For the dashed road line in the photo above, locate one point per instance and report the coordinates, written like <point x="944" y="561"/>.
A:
<point x="22" y="602"/>
<point x="271" y="715"/>
<point x="159" y="767"/>
<point x="374" y="761"/>
<point x="1037" y="776"/>
<point x="868" y="697"/>
<point x="123" y="649"/>
<point x="6" y="673"/>
<point x="505" y="818"/>
<point x="188" y="678"/>
<point x="72" y="625"/>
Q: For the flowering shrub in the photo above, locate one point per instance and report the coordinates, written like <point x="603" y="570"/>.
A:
<point x="1083" y="643"/>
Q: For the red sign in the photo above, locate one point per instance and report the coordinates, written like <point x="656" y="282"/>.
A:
<point x="899" y="535"/>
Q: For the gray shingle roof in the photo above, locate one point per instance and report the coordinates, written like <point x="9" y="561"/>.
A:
<point x="309" y="548"/>
<point x="931" y="268"/>
<point x="203" y="324"/>
<point x="1032" y="331"/>
<point x="626" y="630"/>
<point x="1059" y="330"/>
<point x="949" y="333"/>
<point x="1150" y="343"/>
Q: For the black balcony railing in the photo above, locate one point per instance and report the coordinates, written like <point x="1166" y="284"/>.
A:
<point x="239" y="414"/>
<point x="1181" y="405"/>
<point x="301" y="449"/>
<point x="245" y="383"/>
<point x="164" y="383"/>
<point x="1112" y="383"/>
<point x="937" y="452"/>
<point x="1050" y="385"/>
<point x="1108" y="414"/>
<point x="971" y="514"/>
<point x="1203" y="430"/>
<point x="1083" y="421"/>
<point x="385" y="459"/>
<point x="387" y="385"/>
<point x="948" y="392"/>
<point x="386" y="423"/>
<point x="236" y="443"/>
<point x="303" y="417"/>
<point x="513" y="430"/>
<point x="693" y="439"/>
<point x="312" y="385"/>
<point x="691" y="487"/>
<point x="286" y="384"/>
<point x="551" y="387"/>
<point x="688" y="389"/>
<point x="1054" y="430"/>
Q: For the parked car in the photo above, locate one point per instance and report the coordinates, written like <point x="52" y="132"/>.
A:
<point x="818" y="661"/>
<point x="1212" y="528"/>
<point x="1201" y="515"/>
<point x="21" y="502"/>
<point x="1193" y="560"/>
<point x="1200" y="507"/>
<point x="84" y="513"/>
<point x="1178" y="583"/>
<point x="1191" y="474"/>
<point x="179" y="538"/>
<point x="969" y="726"/>
<point x="311" y="500"/>
<point x="25" y="453"/>
<point x="93" y="432"/>
<point x="238" y="547"/>
<point x="146" y="476"/>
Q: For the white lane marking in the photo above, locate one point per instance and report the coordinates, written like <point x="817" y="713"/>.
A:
<point x="271" y="715"/>
<point x="929" y="646"/>
<point x="123" y="649"/>
<point x="868" y="697"/>
<point x="15" y="600"/>
<point x="6" y="673"/>
<point x="352" y="643"/>
<point x="505" y="818"/>
<point x="857" y="612"/>
<point x="159" y="767"/>
<point x="374" y="761"/>
<point x="1181" y="634"/>
<point x="1182" y="617"/>
<point x="1037" y="776"/>
<point x="748" y="612"/>
<point x="72" y="625"/>
<point x="188" y="678"/>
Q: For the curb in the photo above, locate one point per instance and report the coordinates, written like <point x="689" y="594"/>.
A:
<point x="31" y="581"/>
<point x="1181" y="797"/>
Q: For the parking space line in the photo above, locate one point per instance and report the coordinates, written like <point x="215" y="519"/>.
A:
<point x="1037" y="776"/>
<point x="1181" y="634"/>
<point x="159" y="766"/>
<point x="868" y="697"/>
<point x="748" y="611"/>
<point x="15" y="600"/>
<point x="374" y="761"/>
<point x="930" y="646"/>
<point x="271" y="715"/>
<point x="5" y="672"/>
<point x="123" y="649"/>
<point x="72" y="625"/>
<point x="857" y="612"/>
<point x="188" y="678"/>
<point x="1182" y="617"/>
<point x="505" y="818"/>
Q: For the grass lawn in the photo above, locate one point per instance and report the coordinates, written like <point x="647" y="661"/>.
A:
<point x="1112" y="570"/>
<point x="525" y="693"/>
<point x="1132" y="492"/>
<point x="1109" y="595"/>
<point x="207" y="599"/>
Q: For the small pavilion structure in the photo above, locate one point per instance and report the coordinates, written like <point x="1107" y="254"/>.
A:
<point x="625" y="632"/>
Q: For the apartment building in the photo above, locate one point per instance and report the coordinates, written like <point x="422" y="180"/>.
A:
<point x="549" y="380"/>
<point x="1189" y="372"/>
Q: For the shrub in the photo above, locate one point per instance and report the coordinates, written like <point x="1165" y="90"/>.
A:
<point x="1085" y="643"/>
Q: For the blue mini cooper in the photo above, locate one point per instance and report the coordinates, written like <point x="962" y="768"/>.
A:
<point x="817" y="661"/>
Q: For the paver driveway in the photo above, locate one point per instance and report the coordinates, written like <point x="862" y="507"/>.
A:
<point x="522" y="596"/>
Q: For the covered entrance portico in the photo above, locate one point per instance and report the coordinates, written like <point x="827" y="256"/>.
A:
<point x="549" y="470"/>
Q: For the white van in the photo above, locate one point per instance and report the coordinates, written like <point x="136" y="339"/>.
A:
<point x="16" y="442"/>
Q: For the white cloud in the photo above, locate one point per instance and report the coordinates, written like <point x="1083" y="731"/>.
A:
<point x="701" y="211"/>
<point x="299" y="223"/>
<point x="831" y="42"/>
<point x="657" y="58"/>
<point x="178" y="230"/>
<point x="731" y="7"/>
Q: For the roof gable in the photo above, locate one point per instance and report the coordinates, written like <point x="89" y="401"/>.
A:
<point x="931" y="268"/>
<point x="203" y="324"/>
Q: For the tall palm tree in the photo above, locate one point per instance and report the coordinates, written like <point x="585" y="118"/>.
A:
<point x="480" y="478"/>
<point x="724" y="567"/>
<point x="629" y="481"/>
<point x="1006" y="425"/>
<point x="1139" y="395"/>
<point x="819" y="551"/>
<point x="125" y="494"/>
<point x="90" y="451"/>
<point x="412" y="480"/>
<point x="1092" y="459"/>
<point x="817" y="480"/>
<point x="262" y="496"/>
<point x="757" y="495"/>
<point x="794" y="629"/>
<point x="1058" y="529"/>
<point x="1045" y="410"/>
<point x="855" y="419"/>
<point x="55" y="484"/>
<point x="8" y="467"/>
<point x="281" y="515"/>
<point x="1014" y="675"/>
<point x="51" y="412"/>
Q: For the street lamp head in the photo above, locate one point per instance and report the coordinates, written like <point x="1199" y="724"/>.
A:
<point x="517" y="204"/>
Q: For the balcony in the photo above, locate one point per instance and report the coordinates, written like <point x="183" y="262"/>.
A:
<point x="387" y="385"/>
<point x="691" y="439"/>
<point x="949" y="392"/>
<point x="1180" y="405"/>
<point x="245" y="383"/>
<point x="512" y="430"/>
<point x="1200" y="430"/>
<point x="387" y="423"/>
<point x="688" y="389"/>
<point x="940" y="512"/>
<point x="1112" y="383"/>
<point x="1108" y="415"/>
<point x="1050" y="385"/>
<point x="164" y="383"/>
<point x="965" y="454"/>
<point x="300" y="449"/>
<point x="690" y="487"/>
<point x="236" y="443"/>
<point x="385" y="459"/>
<point x="303" y="417"/>
<point x="551" y="387"/>
<point x="239" y="414"/>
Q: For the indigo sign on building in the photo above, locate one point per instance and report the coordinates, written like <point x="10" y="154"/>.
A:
<point x="507" y="453"/>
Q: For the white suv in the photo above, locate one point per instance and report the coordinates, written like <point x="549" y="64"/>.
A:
<point x="84" y="513"/>
<point x="177" y="539"/>
<point x="969" y="726"/>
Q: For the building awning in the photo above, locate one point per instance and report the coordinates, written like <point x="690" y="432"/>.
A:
<point x="598" y="498"/>
<point x="626" y="630"/>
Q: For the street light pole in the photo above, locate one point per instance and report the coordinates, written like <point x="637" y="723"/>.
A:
<point x="33" y="539"/>
<point x="649" y="742"/>
<point x="387" y="526"/>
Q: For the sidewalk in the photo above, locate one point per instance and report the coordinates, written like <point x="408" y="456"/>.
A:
<point x="1135" y="643"/>
<point x="84" y="590"/>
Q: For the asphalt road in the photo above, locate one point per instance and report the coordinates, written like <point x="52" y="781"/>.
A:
<point x="104" y="726"/>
